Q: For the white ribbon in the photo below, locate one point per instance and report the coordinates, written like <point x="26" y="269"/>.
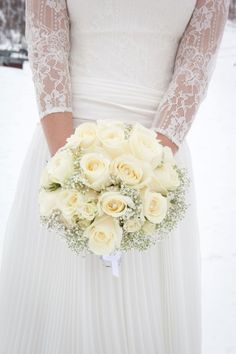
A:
<point x="114" y="259"/>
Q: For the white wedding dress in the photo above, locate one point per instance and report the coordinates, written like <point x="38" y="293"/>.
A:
<point x="131" y="60"/>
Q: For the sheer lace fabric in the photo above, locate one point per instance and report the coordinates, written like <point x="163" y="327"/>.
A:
<point x="194" y="65"/>
<point x="48" y="38"/>
<point x="47" y="33"/>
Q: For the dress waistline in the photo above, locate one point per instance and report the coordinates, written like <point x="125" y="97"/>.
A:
<point x="98" y="98"/>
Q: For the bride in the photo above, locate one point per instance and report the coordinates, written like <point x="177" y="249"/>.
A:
<point x="128" y="60"/>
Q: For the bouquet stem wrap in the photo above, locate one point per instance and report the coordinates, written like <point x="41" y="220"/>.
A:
<point x="114" y="259"/>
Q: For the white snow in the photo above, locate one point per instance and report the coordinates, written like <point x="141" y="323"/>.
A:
<point x="212" y="139"/>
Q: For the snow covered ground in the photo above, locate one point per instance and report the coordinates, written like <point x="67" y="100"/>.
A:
<point x="212" y="140"/>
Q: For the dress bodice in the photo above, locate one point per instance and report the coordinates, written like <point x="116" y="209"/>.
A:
<point x="125" y="59"/>
<point x="122" y="55"/>
<point x="131" y="41"/>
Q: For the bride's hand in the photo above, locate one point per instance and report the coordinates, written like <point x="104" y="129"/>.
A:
<point x="167" y="142"/>
<point x="57" y="128"/>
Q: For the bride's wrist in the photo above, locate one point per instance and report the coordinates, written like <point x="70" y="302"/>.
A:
<point x="165" y="141"/>
<point x="57" y="128"/>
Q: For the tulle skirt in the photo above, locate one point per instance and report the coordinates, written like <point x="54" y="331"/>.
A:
<point x="53" y="301"/>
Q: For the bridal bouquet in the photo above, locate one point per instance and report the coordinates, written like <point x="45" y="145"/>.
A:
<point x="111" y="188"/>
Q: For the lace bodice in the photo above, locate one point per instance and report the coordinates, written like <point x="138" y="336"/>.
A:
<point x="180" y="70"/>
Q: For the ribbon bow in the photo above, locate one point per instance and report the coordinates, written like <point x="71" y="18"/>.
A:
<point x="114" y="259"/>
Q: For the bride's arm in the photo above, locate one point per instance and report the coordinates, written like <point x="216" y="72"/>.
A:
<point x="194" y="65"/>
<point x="48" y="38"/>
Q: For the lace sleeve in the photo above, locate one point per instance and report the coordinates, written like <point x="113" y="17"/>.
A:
<point x="194" y="65"/>
<point x="47" y="36"/>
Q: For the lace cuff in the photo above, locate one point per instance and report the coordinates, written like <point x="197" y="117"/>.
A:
<point x="47" y="35"/>
<point x="194" y="64"/>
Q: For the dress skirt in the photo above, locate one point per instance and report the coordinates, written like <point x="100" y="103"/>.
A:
<point x="53" y="301"/>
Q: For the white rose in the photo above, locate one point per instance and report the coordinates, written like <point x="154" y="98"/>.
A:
<point x="112" y="138"/>
<point x="104" y="235"/>
<point x="95" y="167"/>
<point x="133" y="225"/>
<point x="168" y="155"/>
<point x="87" y="210"/>
<point x="145" y="146"/>
<point x="140" y="127"/>
<point x="73" y="142"/>
<point x="48" y="201"/>
<point x="45" y="179"/>
<point x="60" y="166"/>
<point x="131" y="171"/>
<point x="106" y="123"/>
<point x="155" y="206"/>
<point x="83" y="223"/>
<point x="69" y="202"/>
<point x="148" y="227"/>
<point x="165" y="178"/>
<point x="91" y="195"/>
<point x="114" y="203"/>
<point x="87" y="133"/>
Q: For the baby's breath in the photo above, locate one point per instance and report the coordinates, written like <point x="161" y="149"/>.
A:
<point x="127" y="130"/>
<point x="135" y="211"/>
<point x="136" y="240"/>
<point x="76" y="240"/>
<point x="73" y="235"/>
<point x="177" y="205"/>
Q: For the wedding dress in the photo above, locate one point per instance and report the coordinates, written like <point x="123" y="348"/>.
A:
<point x="130" y="60"/>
